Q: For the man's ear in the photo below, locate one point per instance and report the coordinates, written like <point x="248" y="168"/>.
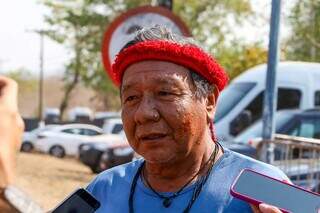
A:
<point x="211" y="103"/>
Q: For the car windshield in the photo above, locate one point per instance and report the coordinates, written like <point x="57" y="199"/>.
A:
<point x="45" y="128"/>
<point x="255" y="131"/>
<point x="230" y="97"/>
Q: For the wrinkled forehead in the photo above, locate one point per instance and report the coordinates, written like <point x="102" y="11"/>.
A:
<point x="153" y="71"/>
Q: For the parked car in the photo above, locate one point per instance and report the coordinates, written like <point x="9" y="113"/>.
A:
<point x="100" y="156"/>
<point x="51" y="115"/>
<point x="112" y="126"/>
<point x="107" y="115"/>
<point x="301" y="123"/>
<point x="80" y="114"/>
<point x="244" y="149"/>
<point x="101" y="117"/>
<point x="240" y="104"/>
<point x="29" y="138"/>
<point x="66" y="139"/>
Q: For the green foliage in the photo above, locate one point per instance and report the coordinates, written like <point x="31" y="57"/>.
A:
<point x="241" y="57"/>
<point x="80" y="24"/>
<point x="213" y="21"/>
<point x="304" y="43"/>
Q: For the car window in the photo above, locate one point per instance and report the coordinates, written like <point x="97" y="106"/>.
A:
<point x="117" y="128"/>
<point x="317" y="129"/>
<point x="254" y="131"/>
<point x="90" y="132"/>
<point x="309" y="128"/>
<point x="288" y="98"/>
<point x="231" y="96"/>
<point x="317" y="98"/>
<point x="75" y="131"/>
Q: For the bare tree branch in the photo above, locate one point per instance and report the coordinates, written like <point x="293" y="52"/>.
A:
<point x="313" y="41"/>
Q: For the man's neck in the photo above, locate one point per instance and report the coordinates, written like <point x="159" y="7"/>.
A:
<point x="170" y="177"/>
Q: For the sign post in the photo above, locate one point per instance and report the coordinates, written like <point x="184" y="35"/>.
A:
<point x="270" y="96"/>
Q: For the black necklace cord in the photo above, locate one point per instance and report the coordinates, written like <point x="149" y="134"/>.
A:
<point x="198" y="187"/>
<point x="169" y="198"/>
<point x="203" y="179"/>
<point x="133" y="187"/>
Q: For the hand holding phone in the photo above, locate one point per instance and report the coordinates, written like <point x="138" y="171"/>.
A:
<point x="257" y="188"/>
<point x="81" y="201"/>
<point x="265" y="208"/>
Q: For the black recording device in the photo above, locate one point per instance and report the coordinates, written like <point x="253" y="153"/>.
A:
<point x="81" y="201"/>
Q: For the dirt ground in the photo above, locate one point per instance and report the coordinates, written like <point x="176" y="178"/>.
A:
<point x="49" y="180"/>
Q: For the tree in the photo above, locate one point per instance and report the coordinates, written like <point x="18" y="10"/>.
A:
<point x="213" y="21"/>
<point x="242" y="57"/>
<point x="304" y="41"/>
<point x="80" y="24"/>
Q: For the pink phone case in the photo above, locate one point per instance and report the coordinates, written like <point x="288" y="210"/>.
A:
<point x="257" y="202"/>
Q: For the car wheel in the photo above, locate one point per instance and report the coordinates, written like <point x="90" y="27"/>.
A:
<point x="103" y="163"/>
<point x="96" y="169"/>
<point x="57" y="151"/>
<point x="26" y="146"/>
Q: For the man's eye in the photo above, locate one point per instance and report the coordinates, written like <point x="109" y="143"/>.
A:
<point x="164" y="93"/>
<point x="130" y="98"/>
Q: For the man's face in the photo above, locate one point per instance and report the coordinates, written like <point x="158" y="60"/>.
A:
<point x="163" y="120"/>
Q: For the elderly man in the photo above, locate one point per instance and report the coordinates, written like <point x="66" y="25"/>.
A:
<point x="169" y="88"/>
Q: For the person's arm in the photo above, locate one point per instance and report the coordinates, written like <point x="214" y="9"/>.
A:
<point x="264" y="208"/>
<point x="11" y="129"/>
<point x="12" y="199"/>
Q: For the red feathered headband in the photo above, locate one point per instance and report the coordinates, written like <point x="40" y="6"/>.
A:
<point x="186" y="55"/>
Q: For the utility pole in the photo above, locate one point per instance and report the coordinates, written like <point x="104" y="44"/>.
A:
<point x="270" y="96"/>
<point x="41" y="73"/>
<point x="41" y="33"/>
<point x="165" y="3"/>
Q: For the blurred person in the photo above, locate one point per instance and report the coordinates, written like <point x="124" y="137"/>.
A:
<point x="168" y="89"/>
<point x="12" y="200"/>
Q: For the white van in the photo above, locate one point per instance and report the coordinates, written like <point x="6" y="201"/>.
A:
<point x="113" y="126"/>
<point x="240" y="104"/>
<point x="80" y="114"/>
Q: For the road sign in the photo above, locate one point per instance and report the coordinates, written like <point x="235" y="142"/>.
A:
<point x="122" y="29"/>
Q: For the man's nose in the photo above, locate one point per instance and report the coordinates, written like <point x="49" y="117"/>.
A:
<point x="146" y="111"/>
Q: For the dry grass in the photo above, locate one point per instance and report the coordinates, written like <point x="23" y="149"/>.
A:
<point x="48" y="180"/>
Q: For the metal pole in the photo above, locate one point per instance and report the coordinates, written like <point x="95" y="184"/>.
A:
<point x="41" y="76"/>
<point x="270" y="96"/>
<point x="41" y="73"/>
<point x="166" y="3"/>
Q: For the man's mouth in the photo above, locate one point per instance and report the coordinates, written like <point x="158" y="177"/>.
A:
<point x="152" y="137"/>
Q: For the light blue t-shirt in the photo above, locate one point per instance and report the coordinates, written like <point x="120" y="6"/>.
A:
<point x="112" y="188"/>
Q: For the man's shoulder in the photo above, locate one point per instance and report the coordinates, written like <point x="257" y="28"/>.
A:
<point x="240" y="162"/>
<point x="116" y="175"/>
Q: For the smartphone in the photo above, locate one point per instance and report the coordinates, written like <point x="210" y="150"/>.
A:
<point x="81" y="201"/>
<point x="257" y="188"/>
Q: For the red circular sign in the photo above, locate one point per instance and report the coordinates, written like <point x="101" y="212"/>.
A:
<point x="122" y="29"/>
